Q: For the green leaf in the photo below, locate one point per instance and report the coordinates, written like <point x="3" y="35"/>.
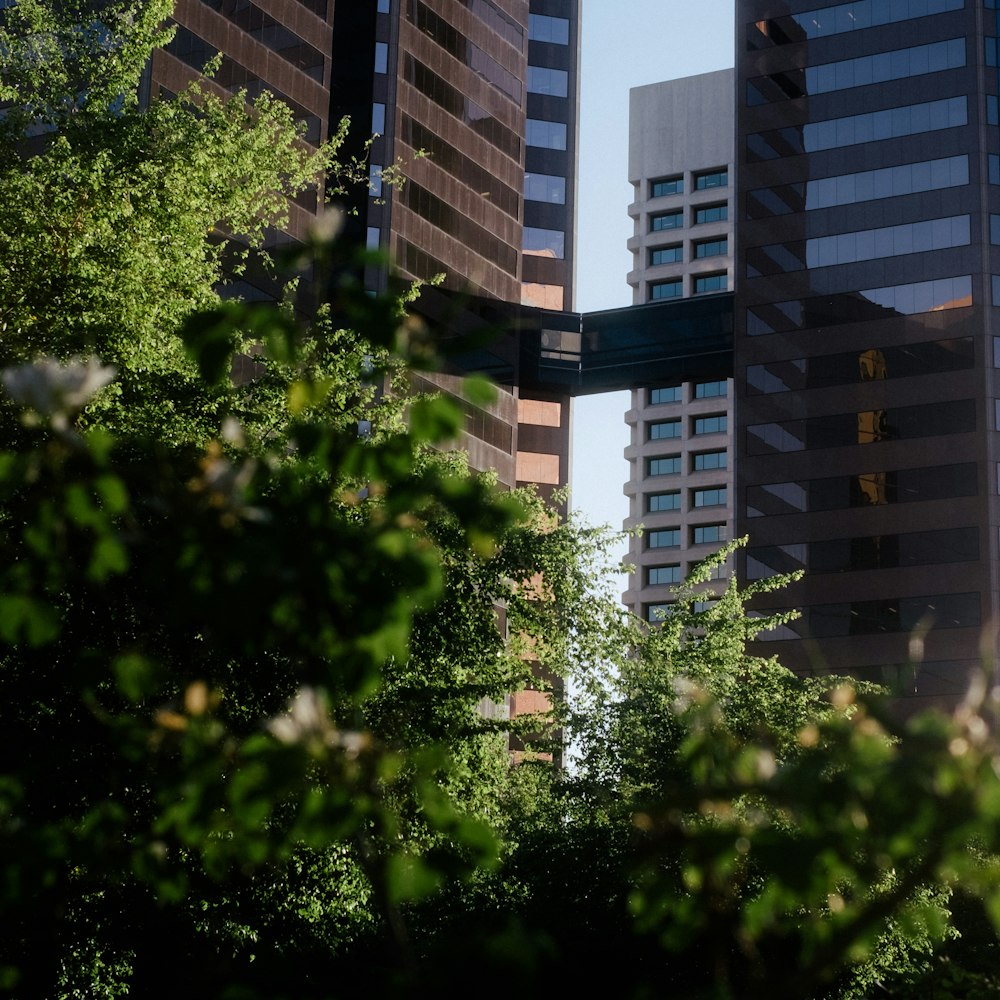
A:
<point x="479" y="390"/>
<point x="109" y="557"/>
<point x="211" y="338"/>
<point x="135" y="675"/>
<point x="24" y="619"/>
<point x="408" y="878"/>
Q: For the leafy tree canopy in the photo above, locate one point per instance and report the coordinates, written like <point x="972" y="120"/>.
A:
<point x="118" y="217"/>
<point x="246" y="655"/>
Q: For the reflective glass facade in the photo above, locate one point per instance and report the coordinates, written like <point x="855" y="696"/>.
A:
<point x="864" y="325"/>
<point x="855" y="129"/>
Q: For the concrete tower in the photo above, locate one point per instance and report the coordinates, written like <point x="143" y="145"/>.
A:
<point x="681" y="450"/>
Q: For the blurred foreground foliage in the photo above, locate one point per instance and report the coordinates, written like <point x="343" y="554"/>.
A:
<point x="252" y="633"/>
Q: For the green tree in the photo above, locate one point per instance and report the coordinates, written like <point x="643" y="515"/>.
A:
<point x="185" y="558"/>
<point x="243" y="650"/>
<point x="119" y="217"/>
<point x="732" y="829"/>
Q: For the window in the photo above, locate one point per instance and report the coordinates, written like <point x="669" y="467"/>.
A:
<point x="879" y="486"/>
<point x="542" y="28"/>
<point x="542" y="80"/>
<point x="456" y="163"/>
<point x="666" y="186"/>
<point x="667" y="465"/>
<point x="907" y="300"/>
<point x="543" y="242"/>
<point x="707" y="460"/>
<point x="196" y="52"/>
<point x="711" y="179"/>
<point x="666" y="255"/>
<point x="550" y="188"/>
<point x="708" y="534"/>
<point x="711" y="213"/>
<point x="373" y="236"/>
<point x="665" y="429"/>
<point x="381" y="57"/>
<point x="458" y="103"/>
<point x="383" y="6"/>
<point x="854" y="188"/>
<point x="656" y="576"/>
<point x="711" y="390"/>
<point x="838" y="430"/>
<point x="861" y="71"/>
<point x="656" y="502"/>
<point x="843" y="17"/>
<point x="378" y="119"/>
<point x="666" y="220"/>
<point x="897" y="361"/>
<point x="665" y="538"/>
<point x="715" y="424"/>
<point x="710" y="283"/>
<point x="658" y="612"/>
<point x="837" y="133"/>
<point x="666" y="289"/>
<point x="446" y="216"/>
<point x="893" y="614"/>
<point x="719" y="572"/>
<point x="715" y="496"/>
<point x="711" y="248"/>
<point x="545" y="134"/>
<point x="701" y="606"/>
<point x="535" y="293"/>
<point x="263" y="28"/>
<point x="918" y="548"/>
<point x="860" y="245"/>
<point x="669" y="394"/>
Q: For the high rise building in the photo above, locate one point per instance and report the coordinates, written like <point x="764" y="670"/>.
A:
<point x="283" y="48"/>
<point x="475" y="103"/>
<point x="865" y="347"/>
<point x="680" y="455"/>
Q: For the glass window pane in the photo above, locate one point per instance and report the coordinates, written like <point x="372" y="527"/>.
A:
<point x="667" y="465"/>
<point x="666" y="255"/>
<point x="550" y="188"/>
<point x="542" y="80"/>
<point x="545" y="134"/>
<point x="666" y="186"/>
<point x="666" y="289"/>
<point x="544" y="242"/>
<point x="666" y="220"/>
<point x="542" y="28"/>
<point x="712" y="179"/>
<point x="670" y="394"/>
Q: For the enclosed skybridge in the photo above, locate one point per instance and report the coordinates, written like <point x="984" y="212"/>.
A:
<point x="578" y="354"/>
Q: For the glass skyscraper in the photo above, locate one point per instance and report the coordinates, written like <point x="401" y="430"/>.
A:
<point x="865" y="347"/>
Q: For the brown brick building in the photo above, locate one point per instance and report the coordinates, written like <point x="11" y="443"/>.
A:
<point x="476" y="102"/>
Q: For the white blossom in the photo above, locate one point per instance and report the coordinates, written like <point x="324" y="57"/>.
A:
<point x="56" y="389"/>
<point x="308" y="722"/>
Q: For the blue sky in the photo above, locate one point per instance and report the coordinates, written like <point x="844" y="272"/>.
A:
<point x="626" y="43"/>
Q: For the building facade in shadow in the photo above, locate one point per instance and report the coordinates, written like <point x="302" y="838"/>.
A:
<point x="864" y="322"/>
